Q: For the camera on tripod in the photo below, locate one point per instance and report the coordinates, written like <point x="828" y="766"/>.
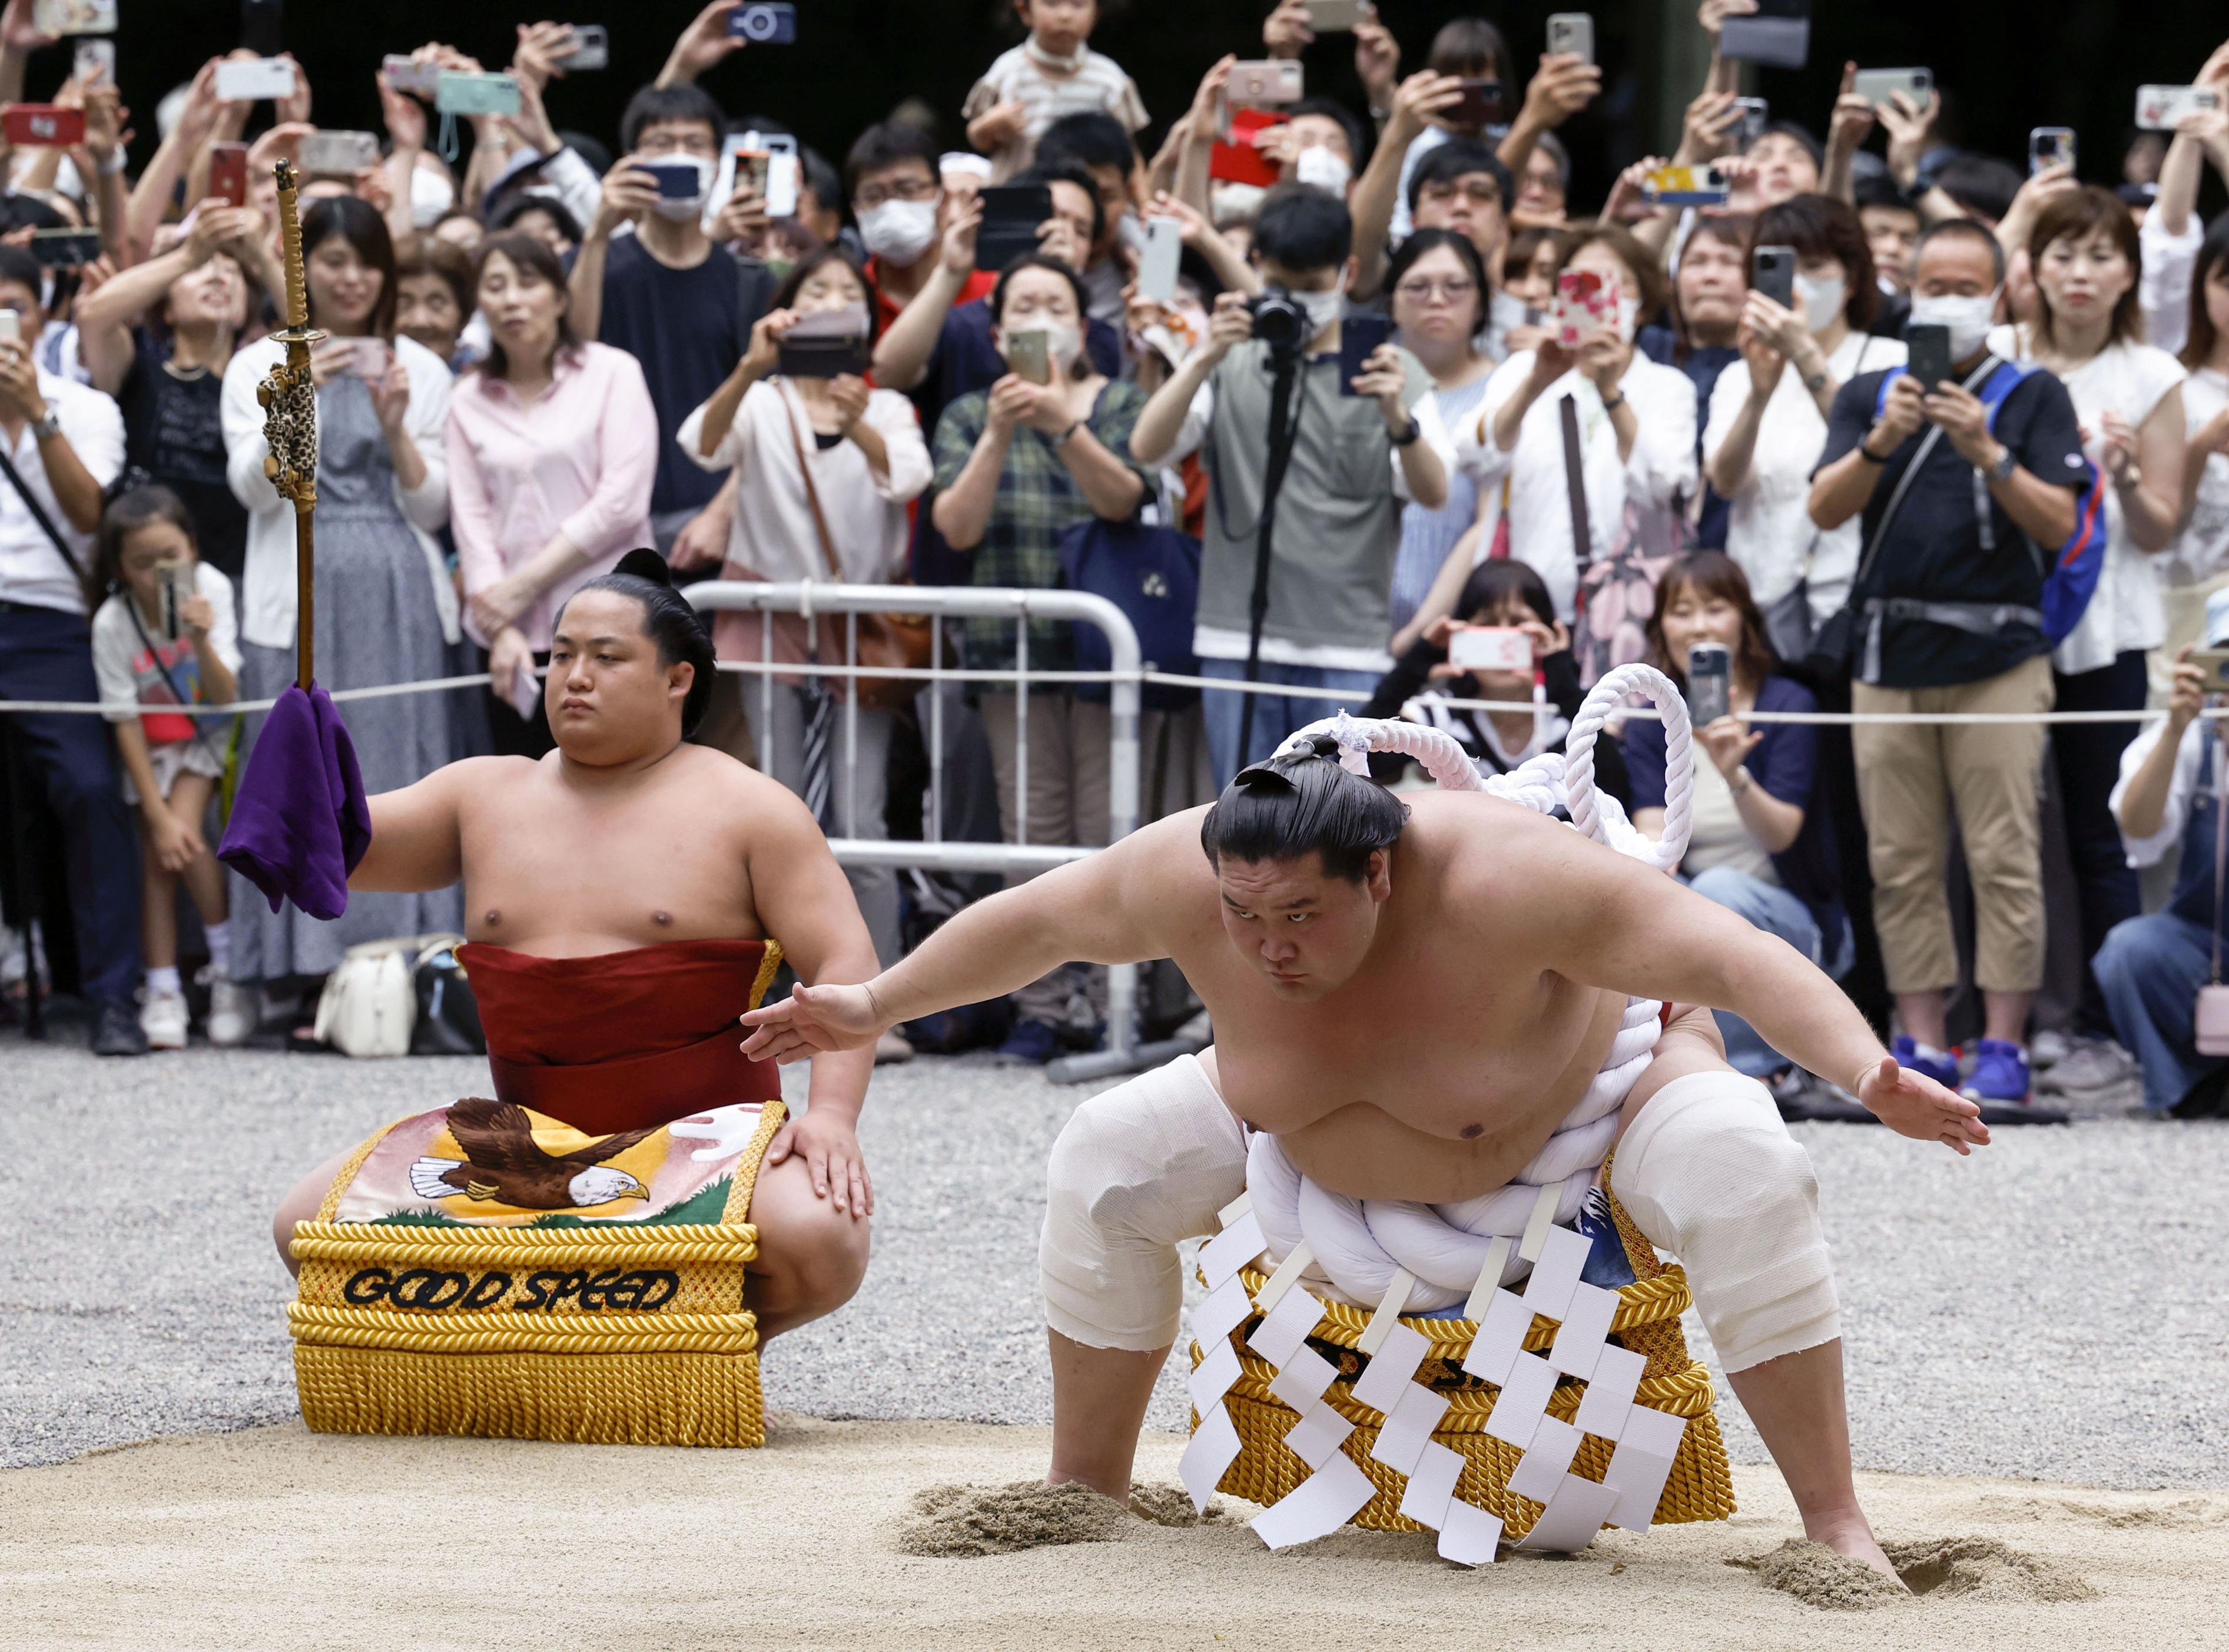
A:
<point x="1280" y="322"/>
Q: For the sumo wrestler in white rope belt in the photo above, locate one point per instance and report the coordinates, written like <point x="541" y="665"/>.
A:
<point x="1412" y="999"/>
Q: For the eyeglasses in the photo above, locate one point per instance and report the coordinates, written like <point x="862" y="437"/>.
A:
<point x="1484" y="193"/>
<point x="875" y="195"/>
<point x="1422" y="289"/>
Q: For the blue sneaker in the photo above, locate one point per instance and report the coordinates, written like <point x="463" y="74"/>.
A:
<point x="1031" y="1042"/>
<point x="2000" y="1074"/>
<point x="1942" y="1067"/>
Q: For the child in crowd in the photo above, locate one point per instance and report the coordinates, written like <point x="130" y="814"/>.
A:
<point x="165" y="636"/>
<point x="1052" y="73"/>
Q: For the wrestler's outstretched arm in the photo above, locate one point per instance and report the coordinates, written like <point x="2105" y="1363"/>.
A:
<point x="416" y="842"/>
<point x="1106" y="909"/>
<point x="1606" y="919"/>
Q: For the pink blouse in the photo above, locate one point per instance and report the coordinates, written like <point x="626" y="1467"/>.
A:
<point x="580" y="462"/>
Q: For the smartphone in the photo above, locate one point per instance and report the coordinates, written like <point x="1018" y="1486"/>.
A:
<point x="339" y="154"/>
<point x="828" y="344"/>
<point x="11" y="327"/>
<point x="783" y="174"/>
<point x="676" y="180"/>
<point x="1586" y="302"/>
<point x="42" y="125"/>
<point x="460" y="93"/>
<point x="2214" y="662"/>
<point x="2050" y="147"/>
<point x="764" y="23"/>
<point x="65" y="249"/>
<point x="372" y="355"/>
<point x="95" y="60"/>
<point x="1238" y="160"/>
<point x="1158" y="261"/>
<point x="246" y="82"/>
<point x="1490" y="648"/>
<point x="1012" y="216"/>
<point x="1027" y="357"/>
<point x="1710" y="681"/>
<point x="406" y="74"/>
<point x="1755" y="111"/>
<point x="2162" y="108"/>
<point x="228" y="177"/>
<point x="1929" y="348"/>
<point x="1276" y="80"/>
<point x="58" y="18"/>
<point x="1877" y="86"/>
<point x="1337" y="16"/>
<point x="1479" y="106"/>
<point x="260" y="25"/>
<point x="1772" y="272"/>
<point x="591" y="48"/>
<point x="1572" y="33"/>
<point x="1778" y="33"/>
<point x="176" y="579"/>
<point x="1356" y="339"/>
<point x="1687" y="186"/>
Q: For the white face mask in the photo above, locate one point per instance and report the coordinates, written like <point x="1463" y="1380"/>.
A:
<point x="1968" y="320"/>
<point x="685" y="208"/>
<point x="1628" y="319"/>
<point x="1320" y="168"/>
<point x="1063" y="344"/>
<point x="1321" y="308"/>
<point x="899" y="231"/>
<point x="1822" y="298"/>
<point x="431" y="195"/>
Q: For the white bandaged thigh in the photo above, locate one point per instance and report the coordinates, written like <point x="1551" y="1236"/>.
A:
<point x="1135" y="1170"/>
<point x="1709" y="1173"/>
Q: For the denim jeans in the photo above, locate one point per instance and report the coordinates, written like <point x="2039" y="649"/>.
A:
<point x="1772" y="909"/>
<point x="1275" y="715"/>
<point x="2150" y="969"/>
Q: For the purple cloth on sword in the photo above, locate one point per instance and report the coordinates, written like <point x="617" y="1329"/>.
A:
<point x="299" y="821"/>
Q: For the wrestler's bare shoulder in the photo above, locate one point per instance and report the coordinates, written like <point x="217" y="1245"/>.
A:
<point x="1479" y="849"/>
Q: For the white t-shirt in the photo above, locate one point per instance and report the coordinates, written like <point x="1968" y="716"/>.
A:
<point x="2182" y="785"/>
<point x="2163" y="285"/>
<point x="136" y="677"/>
<point x="2201" y="552"/>
<point x="1768" y="527"/>
<point x="1099" y="85"/>
<point x="1717" y="835"/>
<point x="2125" y="614"/>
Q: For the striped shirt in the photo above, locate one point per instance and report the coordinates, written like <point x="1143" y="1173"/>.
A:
<point x="1012" y="77"/>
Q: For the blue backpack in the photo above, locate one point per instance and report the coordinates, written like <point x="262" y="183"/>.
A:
<point x="2070" y="579"/>
<point x="1151" y="574"/>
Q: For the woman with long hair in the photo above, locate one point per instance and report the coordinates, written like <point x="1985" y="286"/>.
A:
<point x="1760" y="844"/>
<point x="386" y="609"/>
<point x="553" y="448"/>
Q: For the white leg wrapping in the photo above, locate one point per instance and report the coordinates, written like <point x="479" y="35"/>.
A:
<point x="1709" y="1173"/>
<point x="1135" y="1170"/>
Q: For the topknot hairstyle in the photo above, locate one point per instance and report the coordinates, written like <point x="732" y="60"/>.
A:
<point x="668" y="621"/>
<point x="1303" y="800"/>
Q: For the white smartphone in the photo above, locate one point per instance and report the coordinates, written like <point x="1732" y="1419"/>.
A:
<point x="252" y="81"/>
<point x="95" y="60"/>
<point x="1337" y="16"/>
<point x="1490" y="648"/>
<point x="177" y="581"/>
<point x="2162" y="108"/>
<point x="1157" y="265"/>
<point x="57" y="17"/>
<point x="1572" y="33"/>
<point x="371" y="358"/>
<point x="782" y="175"/>
<point x="1877" y="86"/>
<point x="339" y="154"/>
<point x="11" y="327"/>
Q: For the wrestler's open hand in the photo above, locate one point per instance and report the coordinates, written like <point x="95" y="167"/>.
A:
<point x="812" y="1020"/>
<point x="1915" y="1105"/>
<point x="829" y="1149"/>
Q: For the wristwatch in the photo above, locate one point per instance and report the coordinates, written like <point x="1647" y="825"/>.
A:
<point x="2005" y="465"/>
<point x="1609" y="406"/>
<point x="1408" y="434"/>
<point x="49" y="424"/>
<point x="1062" y="440"/>
<point x="1746" y="779"/>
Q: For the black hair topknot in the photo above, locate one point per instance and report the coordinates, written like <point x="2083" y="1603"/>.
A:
<point x="1302" y="800"/>
<point x="668" y="621"/>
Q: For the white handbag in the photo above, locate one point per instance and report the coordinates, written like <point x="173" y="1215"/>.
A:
<point x="2212" y="1016"/>
<point x="371" y="1003"/>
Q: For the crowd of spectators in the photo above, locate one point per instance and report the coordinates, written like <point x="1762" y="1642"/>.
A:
<point x="1866" y="426"/>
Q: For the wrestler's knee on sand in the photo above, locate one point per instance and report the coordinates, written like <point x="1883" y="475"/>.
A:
<point x="812" y="1255"/>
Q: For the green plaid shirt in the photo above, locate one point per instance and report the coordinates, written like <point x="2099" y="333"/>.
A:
<point x="1037" y="500"/>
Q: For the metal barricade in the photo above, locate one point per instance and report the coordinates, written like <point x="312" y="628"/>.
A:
<point x="809" y="598"/>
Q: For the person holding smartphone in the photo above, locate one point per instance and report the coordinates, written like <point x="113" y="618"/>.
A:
<point x="1768" y="415"/>
<point x="825" y="469"/>
<point x="552" y="443"/>
<point x="1760" y="844"/>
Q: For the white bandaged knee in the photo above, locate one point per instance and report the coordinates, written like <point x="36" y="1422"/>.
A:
<point x="1709" y="1173"/>
<point x="1135" y="1170"/>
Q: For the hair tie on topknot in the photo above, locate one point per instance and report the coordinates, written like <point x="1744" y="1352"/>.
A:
<point x="646" y="563"/>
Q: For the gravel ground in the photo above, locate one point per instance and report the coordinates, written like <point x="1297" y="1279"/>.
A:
<point x="2051" y="1307"/>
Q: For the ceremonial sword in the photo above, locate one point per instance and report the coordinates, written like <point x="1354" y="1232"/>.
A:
<point x="289" y="397"/>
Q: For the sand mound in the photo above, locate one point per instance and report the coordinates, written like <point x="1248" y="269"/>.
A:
<point x="1171" y="1506"/>
<point x="1981" y="1565"/>
<point x="950" y="1522"/>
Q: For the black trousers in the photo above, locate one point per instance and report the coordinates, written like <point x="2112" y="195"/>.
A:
<point x="2088" y="755"/>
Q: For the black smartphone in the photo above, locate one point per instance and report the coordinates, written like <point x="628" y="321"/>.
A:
<point x="65" y="249"/>
<point x="1772" y="272"/>
<point x="1012" y="217"/>
<point x="1929" y="346"/>
<point x="1478" y="107"/>
<point x="260" y="25"/>
<point x="825" y="345"/>
<point x="1358" y="338"/>
<point x="1710" y="683"/>
<point x="1777" y="33"/>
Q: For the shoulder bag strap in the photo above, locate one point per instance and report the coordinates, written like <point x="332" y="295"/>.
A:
<point x="812" y="493"/>
<point x="1575" y="480"/>
<point x="38" y="512"/>
<point x="2220" y="843"/>
<point x="1903" y="485"/>
<point x="132" y="607"/>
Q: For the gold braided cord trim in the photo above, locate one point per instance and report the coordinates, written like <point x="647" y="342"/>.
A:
<point x="497" y="1247"/>
<point x="769" y="966"/>
<point x="374" y="1328"/>
<point x="749" y="1165"/>
<point x="331" y="1201"/>
<point x="1646" y="1301"/>
<point x="669" y="1398"/>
